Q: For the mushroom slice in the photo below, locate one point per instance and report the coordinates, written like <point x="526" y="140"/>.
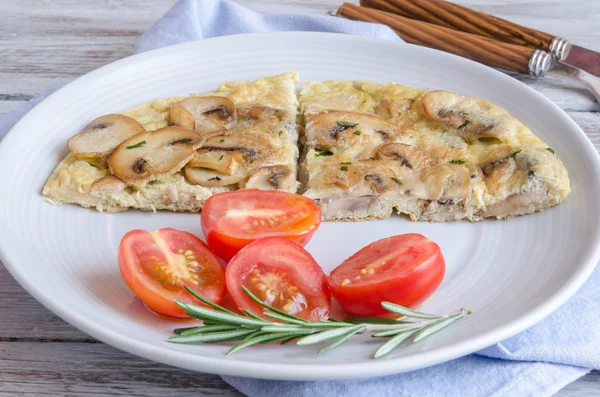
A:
<point x="341" y="129"/>
<point x="468" y="117"/>
<point x="429" y="177"/>
<point x="222" y="162"/>
<point x="512" y="203"/>
<point x="259" y="112"/>
<point x="208" y="177"/>
<point x="278" y="177"/>
<point x="529" y="172"/>
<point x="108" y="184"/>
<point x="388" y="109"/>
<point x="249" y="149"/>
<point x="407" y="156"/>
<point x="100" y="137"/>
<point x="542" y="165"/>
<point x="142" y="158"/>
<point x="202" y="113"/>
<point x="344" y="177"/>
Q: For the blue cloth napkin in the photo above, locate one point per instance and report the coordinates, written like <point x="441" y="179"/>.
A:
<point x="537" y="362"/>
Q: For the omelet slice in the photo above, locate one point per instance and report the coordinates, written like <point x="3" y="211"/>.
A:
<point x="174" y="153"/>
<point x="372" y="149"/>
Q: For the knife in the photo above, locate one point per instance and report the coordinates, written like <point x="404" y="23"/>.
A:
<point x="498" y="54"/>
<point x="464" y="19"/>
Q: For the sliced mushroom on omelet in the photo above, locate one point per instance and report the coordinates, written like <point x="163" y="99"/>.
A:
<point x="102" y="135"/>
<point x="203" y="113"/>
<point x="468" y="117"/>
<point x="142" y="158"/>
<point x="337" y="131"/>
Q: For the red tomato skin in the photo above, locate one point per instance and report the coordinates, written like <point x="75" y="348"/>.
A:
<point x="226" y="245"/>
<point x="138" y="281"/>
<point x="410" y="290"/>
<point x="240" y="266"/>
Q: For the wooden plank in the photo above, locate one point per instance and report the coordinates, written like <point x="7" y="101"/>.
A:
<point x="587" y="386"/>
<point x="49" y="43"/>
<point x="79" y="369"/>
<point x="8" y="105"/>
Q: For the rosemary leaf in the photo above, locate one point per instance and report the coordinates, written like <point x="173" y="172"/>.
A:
<point x="282" y="335"/>
<point x="255" y="334"/>
<point x="341" y="340"/>
<point x="213" y="315"/>
<point x="391" y="307"/>
<point x="371" y="320"/>
<point x="178" y="331"/>
<point x="254" y="316"/>
<point x="327" y="335"/>
<point x="438" y="326"/>
<point x="396" y="331"/>
<point x="288" y="340"/>
<point x="208" y="328"/>
<point x="206" y="301"/>
<point x="328" y="324"/>
<point x="283" y="318"/>
<point x="259" y="339"/>
<point x="391" y="344"/>
<point x="284" y="328"/>
<point x="274" y="309"/>
<point x="211" y="337"/>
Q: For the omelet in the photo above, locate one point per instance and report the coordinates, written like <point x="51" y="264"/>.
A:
<point x="174" y="153"/>
<point x="360" y="150"/>
<point x="374" y="149"/>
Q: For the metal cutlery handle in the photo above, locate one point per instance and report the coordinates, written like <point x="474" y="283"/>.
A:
<point x="464" y="19"/>
<point x="493" y="53"/>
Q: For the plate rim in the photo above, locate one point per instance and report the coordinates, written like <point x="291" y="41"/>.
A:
<point x="317" y="371"/>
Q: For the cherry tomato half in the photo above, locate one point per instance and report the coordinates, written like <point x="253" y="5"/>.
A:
<point x="403" y="269"/>
<point x="157" y="265"/>
<point x="282" y="274"/>
<point x="232" y="220"/>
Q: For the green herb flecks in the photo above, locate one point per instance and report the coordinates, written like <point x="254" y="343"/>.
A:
<point x="550" y="150"/>
<point x="457" y="161"/>
<point x="323" y="153"/>
<point x="346" y="124"/>
<point x="344" y="168"/>
<point x="347" y="163"/>
<point x="227" y="326"/>
<point x="137" y="145"/>
<point x="357" y="132"/>
<point x="463" y="125"/>
<point x="398" y="181"/>
<point x="512" y="155"/>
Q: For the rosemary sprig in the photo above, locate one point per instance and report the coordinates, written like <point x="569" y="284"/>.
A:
<point x="227" y="326"/>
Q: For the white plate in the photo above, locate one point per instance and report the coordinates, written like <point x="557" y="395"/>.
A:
<point x="511" y="273"/>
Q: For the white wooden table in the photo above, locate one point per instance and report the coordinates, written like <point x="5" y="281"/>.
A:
<point x="44" y="43"/>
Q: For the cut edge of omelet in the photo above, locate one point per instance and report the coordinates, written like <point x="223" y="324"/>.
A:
<point x="432" y="155"/>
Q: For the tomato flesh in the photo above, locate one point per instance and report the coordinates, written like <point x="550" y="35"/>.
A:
<point x="232" y="220"/>
<point x="157" y="265"/>
<point x="404" y="269"/>
<point x="282" y="274"/>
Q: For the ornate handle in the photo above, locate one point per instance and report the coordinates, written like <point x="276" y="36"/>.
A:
<point x="493" y="53"/>
<point x="461" y="18"/>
